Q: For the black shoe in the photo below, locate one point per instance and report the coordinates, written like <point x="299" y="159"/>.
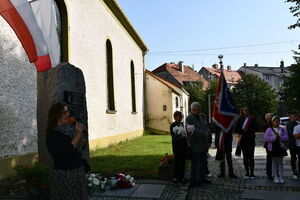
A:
<point x="232" y="176"/>
<point x="192" y="185"/>
<point x="221" y="176"/>
<point x="206" y="181"/>
<point x="175" y="180"/>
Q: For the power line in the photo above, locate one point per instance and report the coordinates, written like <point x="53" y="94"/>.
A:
<point x="227" y="54"/>
<point x="229" y="47"/>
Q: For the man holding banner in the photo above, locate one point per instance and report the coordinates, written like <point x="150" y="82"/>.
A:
<point x="224" y="117"/>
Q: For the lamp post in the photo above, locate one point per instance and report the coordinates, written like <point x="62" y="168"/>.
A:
<point x="221" y="63"/>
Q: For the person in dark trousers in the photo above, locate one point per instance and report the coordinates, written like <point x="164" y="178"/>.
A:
<point x="179" y="145"/>
<point x="292" y="144"/>
<point x="246" y="127"/>
<point x="228" y="156"/>
<point x="198" y="134"/>
<point x="209" y="140"/>
<point x="268" y="117"/>
<point x="296" y="134"/>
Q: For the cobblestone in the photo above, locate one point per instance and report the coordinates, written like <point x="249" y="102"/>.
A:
<point x="220" y="188"/>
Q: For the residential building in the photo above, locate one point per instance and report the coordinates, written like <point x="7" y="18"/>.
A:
<point x="162" y="99"/>
<point x="97" y="37"/>
<point x="274" y="76"/>
<point x="179" y="74"/>
<point x="213" y="73"/>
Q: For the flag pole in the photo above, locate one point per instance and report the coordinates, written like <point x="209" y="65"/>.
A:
<point x="222" y="134"/>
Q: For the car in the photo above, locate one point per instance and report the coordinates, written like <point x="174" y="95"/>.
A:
<point x="284" y="121"/>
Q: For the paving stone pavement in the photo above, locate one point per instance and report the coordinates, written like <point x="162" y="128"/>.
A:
<point x="260" y="188"/>
<point x="225" y="188"/>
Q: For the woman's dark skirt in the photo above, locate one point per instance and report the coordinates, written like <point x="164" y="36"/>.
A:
<point x="68" y="184"/>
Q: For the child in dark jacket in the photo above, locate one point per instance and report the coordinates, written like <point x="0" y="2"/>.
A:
<point x="179" y="145"/>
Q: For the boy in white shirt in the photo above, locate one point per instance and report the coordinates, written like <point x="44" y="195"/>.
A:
<point x="296" y="134"/>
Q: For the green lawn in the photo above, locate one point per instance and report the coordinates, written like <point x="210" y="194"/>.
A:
<point x="139" y="157"/>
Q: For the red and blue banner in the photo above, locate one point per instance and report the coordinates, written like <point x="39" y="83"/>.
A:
<point x="224" y="111"/>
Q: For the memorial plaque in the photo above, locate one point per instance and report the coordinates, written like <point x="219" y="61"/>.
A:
<point x="75" y="104"/>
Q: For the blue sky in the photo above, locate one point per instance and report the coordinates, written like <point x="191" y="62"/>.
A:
<point x="175" y="25"/>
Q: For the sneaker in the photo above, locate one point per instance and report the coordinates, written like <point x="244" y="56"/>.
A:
<point x="209" y="175"/>
<point x="281" y="180"/>
<point x="295" y="177"/>
<point x="276" y="179"/>
<point x="246" y="177"/>
<point x="252" y="176"/>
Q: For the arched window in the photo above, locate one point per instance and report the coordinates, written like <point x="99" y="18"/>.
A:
<point x="110" y="77"/>
<point x="176" y="102"/>
<point x="61" y="21"/>
<point x="133" y="87"/>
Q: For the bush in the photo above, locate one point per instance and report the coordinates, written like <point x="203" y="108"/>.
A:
<point x="36" y="175"/>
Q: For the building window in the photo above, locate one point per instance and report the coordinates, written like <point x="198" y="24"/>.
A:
<point x="61" y="22"/>
<point x="267" y="77"/>
<point x="133" y="87"/>
<point x="176" y="102"/>
<point x="164" y="107"/>
<point x="110" y="77"/>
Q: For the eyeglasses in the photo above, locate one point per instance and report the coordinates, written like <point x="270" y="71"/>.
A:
<point x="66" y="111"/>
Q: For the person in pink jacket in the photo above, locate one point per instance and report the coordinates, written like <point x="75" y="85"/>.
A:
<point x="274" y="137"/>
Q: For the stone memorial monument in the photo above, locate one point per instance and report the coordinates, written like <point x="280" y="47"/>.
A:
<point x="64" y="83"/>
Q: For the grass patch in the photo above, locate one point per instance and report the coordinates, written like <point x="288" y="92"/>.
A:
<point x="139" y="157"/>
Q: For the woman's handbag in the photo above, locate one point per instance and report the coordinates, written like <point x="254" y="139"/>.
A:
<point x="283" y="145"/>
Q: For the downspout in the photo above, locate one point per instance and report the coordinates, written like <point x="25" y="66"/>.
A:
<point x="144" y="101"/>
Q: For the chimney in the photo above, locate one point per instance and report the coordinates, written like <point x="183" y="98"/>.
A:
<point x="229" y="68"/>
<point x="282" y="66"/>
<point x="181" y="67"/>
<point x="172" y="62"/>
<point x="245" y="64"/>
<point x="256" y="65"/>
<point x="215" y="66"/>
<point x="193" y="66"/>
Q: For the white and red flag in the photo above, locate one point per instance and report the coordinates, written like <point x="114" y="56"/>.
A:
<point x="19" y="15"/>
<point x="224" y="111"/>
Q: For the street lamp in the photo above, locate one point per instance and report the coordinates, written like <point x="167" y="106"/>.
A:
<point x="221" y="63"/>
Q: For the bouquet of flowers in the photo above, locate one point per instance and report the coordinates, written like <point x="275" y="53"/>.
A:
<point x="179" y="130"/>
<point x="125" y="181"/>
<point x="95" y="184"/>
<point x="190" y="129"/>
<point x="93" y="180"/>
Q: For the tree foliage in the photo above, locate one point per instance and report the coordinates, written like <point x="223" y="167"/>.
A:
<point x="295" y="10"/>
<point x="255" y="93"/>
<point x="290" y="91"/>
<point x="195" y="90"/>
<point x="211" y="90"/>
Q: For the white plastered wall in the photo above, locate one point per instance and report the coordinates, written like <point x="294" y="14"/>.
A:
<point x="90" y="25"/>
